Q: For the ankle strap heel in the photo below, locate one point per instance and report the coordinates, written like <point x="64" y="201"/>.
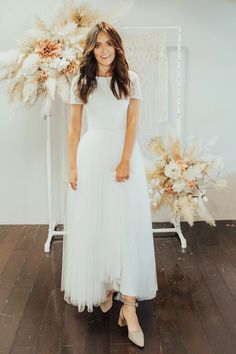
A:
<point x="137" y="336"/>
<point x="130" y="303"/>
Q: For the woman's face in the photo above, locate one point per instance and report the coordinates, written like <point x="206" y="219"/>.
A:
<point x="104" y="50"/>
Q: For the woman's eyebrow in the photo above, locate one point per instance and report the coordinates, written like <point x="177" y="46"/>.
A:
<point x="110" y="40"/>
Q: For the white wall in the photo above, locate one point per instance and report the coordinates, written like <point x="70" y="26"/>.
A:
<point x="209" y="103"/>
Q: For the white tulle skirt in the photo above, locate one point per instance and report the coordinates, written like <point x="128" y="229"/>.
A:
<point x="109" y="241"/>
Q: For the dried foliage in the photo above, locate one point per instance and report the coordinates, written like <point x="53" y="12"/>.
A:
<point x="47" y="58"/>
<point x="180" y="179"/>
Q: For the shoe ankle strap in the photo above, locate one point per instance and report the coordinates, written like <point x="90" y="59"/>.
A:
<point x="131" y="303"/>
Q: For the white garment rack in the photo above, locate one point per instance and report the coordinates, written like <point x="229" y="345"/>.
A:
<point x="176" y="222"/>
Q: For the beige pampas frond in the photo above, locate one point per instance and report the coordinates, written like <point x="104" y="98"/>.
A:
<point x="175" y="150"/>
<point x="63" y="88"/>
<point x="50" y="85"/>
<point x="187" y="209"/>
<point x="173" y="144"/>
<point x="30" y="91"/>
<point x="8" y="58"/>
<point x="30" y="64"/>
<point x="157" y="146"/>
<point x="15" y="89"/>
<point x="26" y="45"/>
<point x="40" y="24"/>
<point x="191" y="152"/>
<point x="83" y="16"/>
<point x="204" y="213"/>
<point x="8" y="63"/>
<point x="163" y="200"/>
<point x="118" y="11"/>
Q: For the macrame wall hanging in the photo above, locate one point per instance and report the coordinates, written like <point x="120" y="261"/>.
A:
<point x="146" y="54"/>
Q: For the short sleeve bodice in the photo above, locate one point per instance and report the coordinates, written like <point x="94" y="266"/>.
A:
<point x="137" y="91"/>
<point x="103" y="109"/>
<point x="74" y="99"/>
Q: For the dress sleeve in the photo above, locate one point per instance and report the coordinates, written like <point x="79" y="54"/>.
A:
<point x="74" y="99"/>
<point x="137" y="90"/>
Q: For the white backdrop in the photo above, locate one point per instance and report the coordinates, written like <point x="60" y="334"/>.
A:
<point x="209" y="86"/>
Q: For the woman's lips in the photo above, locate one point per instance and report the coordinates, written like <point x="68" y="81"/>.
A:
<point x="105" y="56"/>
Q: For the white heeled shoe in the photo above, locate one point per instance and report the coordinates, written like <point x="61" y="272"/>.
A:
<point x="137" y="337"/>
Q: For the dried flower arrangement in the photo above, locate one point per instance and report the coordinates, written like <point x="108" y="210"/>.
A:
<point x="48" y="57"/>
<point x="180" y="179"/>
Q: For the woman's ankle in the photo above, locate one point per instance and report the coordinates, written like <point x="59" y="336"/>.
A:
<point x="129" y="298"/>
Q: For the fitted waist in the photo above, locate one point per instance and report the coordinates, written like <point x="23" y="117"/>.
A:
<point x="106" y="130"/>
<point x="108" y="124"/>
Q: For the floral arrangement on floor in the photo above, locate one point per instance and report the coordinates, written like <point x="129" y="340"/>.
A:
<point x="180" y="178"/>
<point x="48" y="57"/>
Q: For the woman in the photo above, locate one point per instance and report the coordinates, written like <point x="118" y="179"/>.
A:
<point x="109" y="243"/>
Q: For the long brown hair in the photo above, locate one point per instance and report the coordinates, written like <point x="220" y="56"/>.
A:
<point x="87" y="81"/>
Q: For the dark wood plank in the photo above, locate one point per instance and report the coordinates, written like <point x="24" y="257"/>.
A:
<point x="126" y="348"/>
<point x="4" y="230"/>
<point x="71" y="349"/>
<point x="194" y="311"/>
<point x="193" y="334"/>
<point x="11" y="297"/>
<point x="230" y="229"/>
<point x="171" y="339"/>
<point x="225" y="235"/>
<point x="149" y="322"/>
<point x="219" y="291"/>
<point x="9" y="242"/>
<point x="75" y="328"/>
<point x="58" y="275"/>
<point x="52" y="326"/>
<point x="10" y="276"/>
<point x="31" y="324"/>
<point x="98" y="332"/>
<point x="220" y="339"/>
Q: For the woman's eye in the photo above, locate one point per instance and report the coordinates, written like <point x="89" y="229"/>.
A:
<point x="96" y="45"/>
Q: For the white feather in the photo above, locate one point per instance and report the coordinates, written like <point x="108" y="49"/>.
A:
<point x="68" y="29"/>
<point x="63" y="89"/>
<point x="35" y="34"/>
<point x="30" y="64"/>
<point x="30" y="91"/>
<point x="46" y="107"/>
<point x="51" y="87"/>
<point x="7" y="62"/>
<point x="9" y="58"/>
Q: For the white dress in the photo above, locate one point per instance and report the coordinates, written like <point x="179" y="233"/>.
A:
<point x="109" y="241"/>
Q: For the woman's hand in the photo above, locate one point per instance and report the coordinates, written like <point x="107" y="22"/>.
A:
<point x="122" y="171"/>
<point x="73" y="178"/>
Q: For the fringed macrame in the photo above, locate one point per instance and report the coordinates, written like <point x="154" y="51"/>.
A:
<point x="146" y="54"/>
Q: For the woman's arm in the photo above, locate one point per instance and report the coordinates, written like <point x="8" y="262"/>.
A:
<point x="74" y="132"/>
<point x="130" y="137"/>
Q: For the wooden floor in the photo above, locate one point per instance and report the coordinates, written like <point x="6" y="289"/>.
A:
<point x="194" y="312"/>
